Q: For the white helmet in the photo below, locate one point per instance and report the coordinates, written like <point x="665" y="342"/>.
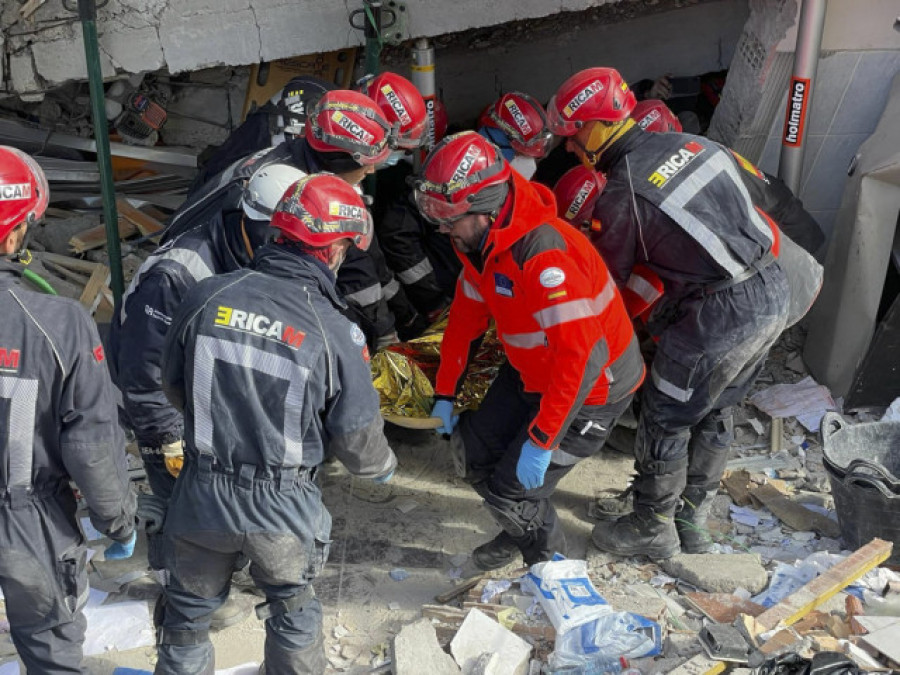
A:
<point x="265" y="187"/>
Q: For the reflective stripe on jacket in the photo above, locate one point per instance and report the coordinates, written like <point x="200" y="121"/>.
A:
<point x="558" y="314"/>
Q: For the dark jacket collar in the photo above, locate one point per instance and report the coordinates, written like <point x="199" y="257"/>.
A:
<point x="630" y="140"/>
<point x="288" y="262"/>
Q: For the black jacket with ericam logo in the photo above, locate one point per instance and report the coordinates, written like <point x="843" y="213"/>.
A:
<point x="269" y="373"/>
<point x="677" y="203"/>
<point x="142" y="318"/>
<point x="58" y="411"/>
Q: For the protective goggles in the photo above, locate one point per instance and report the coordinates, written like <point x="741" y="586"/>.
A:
<point x="437" y="209"/>
<point x="558" y="124"/>
<point x="536" y="147"/>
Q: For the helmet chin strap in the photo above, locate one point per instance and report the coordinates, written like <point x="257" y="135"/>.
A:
<point x="602" y="136"/>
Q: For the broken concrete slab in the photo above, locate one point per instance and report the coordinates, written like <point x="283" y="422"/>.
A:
<point x="416" y="650"/>
<point x="719" y="573"/>
<point x="480" y="634"/>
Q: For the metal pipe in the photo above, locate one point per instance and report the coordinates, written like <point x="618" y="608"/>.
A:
<point x="423" y="77"/>
<point x="87" y="13"/>
<point x="372" y="33"/>
<point x="806" y="60"/>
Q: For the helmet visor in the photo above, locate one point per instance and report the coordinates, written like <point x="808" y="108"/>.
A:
<point x="537" y="147"/>
<point x="558" y="124"/>
<point x="437" y="210"/>
<point x="357" y="229"/>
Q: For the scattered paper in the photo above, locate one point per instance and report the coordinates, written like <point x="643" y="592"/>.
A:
<point x="11" y="668"/>
<point x="806" y="400"/>
<point x="788" y="578"/>
<point x="119" y="626"/>
<point x="494" y="588"/>
<point x="90" y="532"/>
<point x="406" y="505"/>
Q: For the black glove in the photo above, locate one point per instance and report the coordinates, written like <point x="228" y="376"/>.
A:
<point x="151" y="513"/>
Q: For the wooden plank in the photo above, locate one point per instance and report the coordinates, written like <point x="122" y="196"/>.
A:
<point x="805" y="599"/>
<point x="793" y="514"/>
<point x="737" y="485"/>
<point x="147" y="224"/>
<point x="65" y="273"/>
<point x="95" y="237"/>
<point x="723" y="607"/>
<point x="67" y="261"/>
<point x="90" y="296"/>
<point x="459" y="589"/>
<point x="30" y="7"/>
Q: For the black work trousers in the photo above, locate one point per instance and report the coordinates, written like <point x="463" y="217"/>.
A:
<point x="492" y="438"/>
<point x="706" y="360"/>
<point x="43" y="577"/>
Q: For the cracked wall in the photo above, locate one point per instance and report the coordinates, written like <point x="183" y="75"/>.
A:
<point x="45" y="49"/>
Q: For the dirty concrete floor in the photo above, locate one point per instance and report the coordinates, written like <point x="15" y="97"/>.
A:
<point x="422" y="522"/>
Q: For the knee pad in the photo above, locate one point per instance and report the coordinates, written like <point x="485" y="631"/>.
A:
<point x="517" y="518"/>
<point x="657" y="451"/>
<point x="267" y="610"/>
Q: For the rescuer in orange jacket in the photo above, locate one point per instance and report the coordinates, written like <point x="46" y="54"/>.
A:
<point x="574" y="362"/>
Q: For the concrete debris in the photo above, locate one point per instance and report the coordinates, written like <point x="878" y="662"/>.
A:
<point x="480" y="634"/>
<point x="719" y="573"/>
<point x="416" y="650"/>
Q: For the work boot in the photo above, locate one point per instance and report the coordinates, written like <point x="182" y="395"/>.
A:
<point x="497" y="553"/>
<point x="610" y="508"/>
<point x="230" y="613"/>
<point x="639" y="533"/>
<point x="690" y="520"/>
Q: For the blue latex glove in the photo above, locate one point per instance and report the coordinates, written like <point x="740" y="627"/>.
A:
<point x="384" y="479"/>
<point x="120" y="551"/>
<point x="533" y="463"/>
<point x="444" y="409"/>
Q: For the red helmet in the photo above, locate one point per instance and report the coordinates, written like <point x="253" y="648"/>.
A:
<point x="24" y="192"/>
<point x="592" y="94"/>
<point x="576" y="193"/>
<point x="401" y="104"/>
<point x="348" y="121"/>
<point x="322" y="209"/>
<point x="523" y="120"/>
<point x="465" y="173"/>
<point x="654" y="115"/>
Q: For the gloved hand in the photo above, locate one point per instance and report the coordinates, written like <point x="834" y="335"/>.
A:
<point x="533" y="463"/>
<point x="381" y="480"/>
<point x="173" y="456"/>
<point x="151" y="513"/>
<point x="661" y="88"/>
<point x="119" y="550"/>
<point x="444" y="409"/>
<point x="386" y="340"/>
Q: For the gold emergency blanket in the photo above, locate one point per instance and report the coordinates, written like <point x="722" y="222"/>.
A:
<point x="403" y="374"/>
